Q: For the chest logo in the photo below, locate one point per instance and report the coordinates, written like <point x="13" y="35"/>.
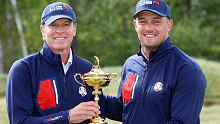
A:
<point x="158" y="86"/>
<point x="82" y="91"/>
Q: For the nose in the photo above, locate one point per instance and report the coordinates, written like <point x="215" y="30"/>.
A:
<point x="149" y="27"/>
<point x="60" y="29"/>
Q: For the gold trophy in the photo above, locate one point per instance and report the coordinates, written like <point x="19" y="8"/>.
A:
<point x="97" y="79"/>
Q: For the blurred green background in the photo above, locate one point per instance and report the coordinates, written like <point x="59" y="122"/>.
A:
<point x="105" y="29"/>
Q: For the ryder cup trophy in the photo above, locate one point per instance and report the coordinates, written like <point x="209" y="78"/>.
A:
<point x="97" y="79"/>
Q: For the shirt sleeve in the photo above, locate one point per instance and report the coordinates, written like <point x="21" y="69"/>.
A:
<point x="113" y="108"/>
<point x="188" y="97"/>
<point x="19" y="99"/>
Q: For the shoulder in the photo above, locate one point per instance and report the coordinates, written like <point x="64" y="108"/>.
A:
<point x="79" y="60"/>
<point x="134" y="63"/>
<point x="82" y="64"/>
<point x="133" y="59"/>
<point x="22" y="68"/>
<point x="26" y="61"/>
<point x="185" y="66"/>
<point x="184" y="61"/>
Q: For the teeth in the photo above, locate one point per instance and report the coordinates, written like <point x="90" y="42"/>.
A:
<point x="59" y="38"/>
<point x="150" y="35"/>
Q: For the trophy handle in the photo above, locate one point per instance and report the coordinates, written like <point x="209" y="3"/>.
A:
<point x="115" y="79"/>
<point x="77" y="80"/>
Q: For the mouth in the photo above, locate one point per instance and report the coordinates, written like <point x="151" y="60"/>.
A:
<point x="149" y="35"/>
<point x="59" y="38"/>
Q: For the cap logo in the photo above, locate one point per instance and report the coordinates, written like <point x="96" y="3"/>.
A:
<point x="59" y="8"/>
<point x="150" y="2"/>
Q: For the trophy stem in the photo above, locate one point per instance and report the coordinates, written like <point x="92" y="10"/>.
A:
<point x="96" y="93"/>
<point x="97" y="119"/>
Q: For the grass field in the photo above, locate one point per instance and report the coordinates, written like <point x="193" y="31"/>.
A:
<point x="210" y="111"/>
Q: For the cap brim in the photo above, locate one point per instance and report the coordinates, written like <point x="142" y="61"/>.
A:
<point x="54" y="18"/>
<point x="156" y="12"/>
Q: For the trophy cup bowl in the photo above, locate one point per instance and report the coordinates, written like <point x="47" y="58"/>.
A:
<point x="96" y="79"/>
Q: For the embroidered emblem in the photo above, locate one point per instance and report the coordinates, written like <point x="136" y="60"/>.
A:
<point x="150" y="2"/>
<point x="158" y="86"/>
<point x="82" y="91"/>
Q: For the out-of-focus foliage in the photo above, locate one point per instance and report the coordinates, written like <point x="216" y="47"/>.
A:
<point x="105" y="29"/>
<point x="196" y="28"/>
<point x="109" y="33"/>
<point x="30" y="14"/>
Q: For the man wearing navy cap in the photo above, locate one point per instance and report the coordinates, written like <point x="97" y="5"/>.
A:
<point x="160" y="84"/>
<point x="41" y="87"/>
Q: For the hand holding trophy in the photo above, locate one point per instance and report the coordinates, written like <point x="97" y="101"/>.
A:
<point x="97" y="79"/>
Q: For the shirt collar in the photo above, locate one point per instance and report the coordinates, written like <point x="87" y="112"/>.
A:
<point x="142" y="52"/>
<point x="70" y="60"/>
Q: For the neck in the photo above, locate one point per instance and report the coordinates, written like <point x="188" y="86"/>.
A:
<point x="146" y="51"/>
<point x="64" y="58"/>
<point x="64" y="55"/>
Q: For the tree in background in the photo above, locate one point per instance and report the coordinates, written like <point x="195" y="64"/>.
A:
<point x="196" y="29"/>
<point x="26" y="30"/>
<point x="105" y="29"/>
<point x="19" y="27"/>
<point x="1" y="56"/>
<point x="75" y="39"/>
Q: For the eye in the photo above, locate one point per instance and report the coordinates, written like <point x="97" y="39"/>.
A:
<point x="142" y="22"/>
<point x="157" y="21"/>
<point x="52" y="25"/>
<point x="66" y="24"/>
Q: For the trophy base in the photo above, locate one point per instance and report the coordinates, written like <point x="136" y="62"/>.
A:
<point x="98" y="120"/>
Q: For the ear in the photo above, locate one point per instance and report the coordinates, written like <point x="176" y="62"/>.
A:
<point x="135" y="24"/>
<point x="42" y="30"/>
<point x="170" y="24"/>
<point x="75" y="27"/>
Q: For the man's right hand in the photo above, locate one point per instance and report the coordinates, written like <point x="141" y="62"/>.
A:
<point x="84" y="111"/>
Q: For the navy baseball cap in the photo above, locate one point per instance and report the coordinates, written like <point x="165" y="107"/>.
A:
<point x="157" y="6"/>
<point x="56" y="11"/>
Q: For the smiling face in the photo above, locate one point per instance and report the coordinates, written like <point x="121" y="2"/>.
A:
<point x="152" y="30"/>
<point x="59" y="35"/>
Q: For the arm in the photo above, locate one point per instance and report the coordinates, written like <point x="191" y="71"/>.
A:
<point x="113" y="108"/>
<point x="78" y="114"/>
<point x="188" y="97"/>
<point x="114" y="105"/>
<point x="19" y="96"/>
<point x="21" y="108"/>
